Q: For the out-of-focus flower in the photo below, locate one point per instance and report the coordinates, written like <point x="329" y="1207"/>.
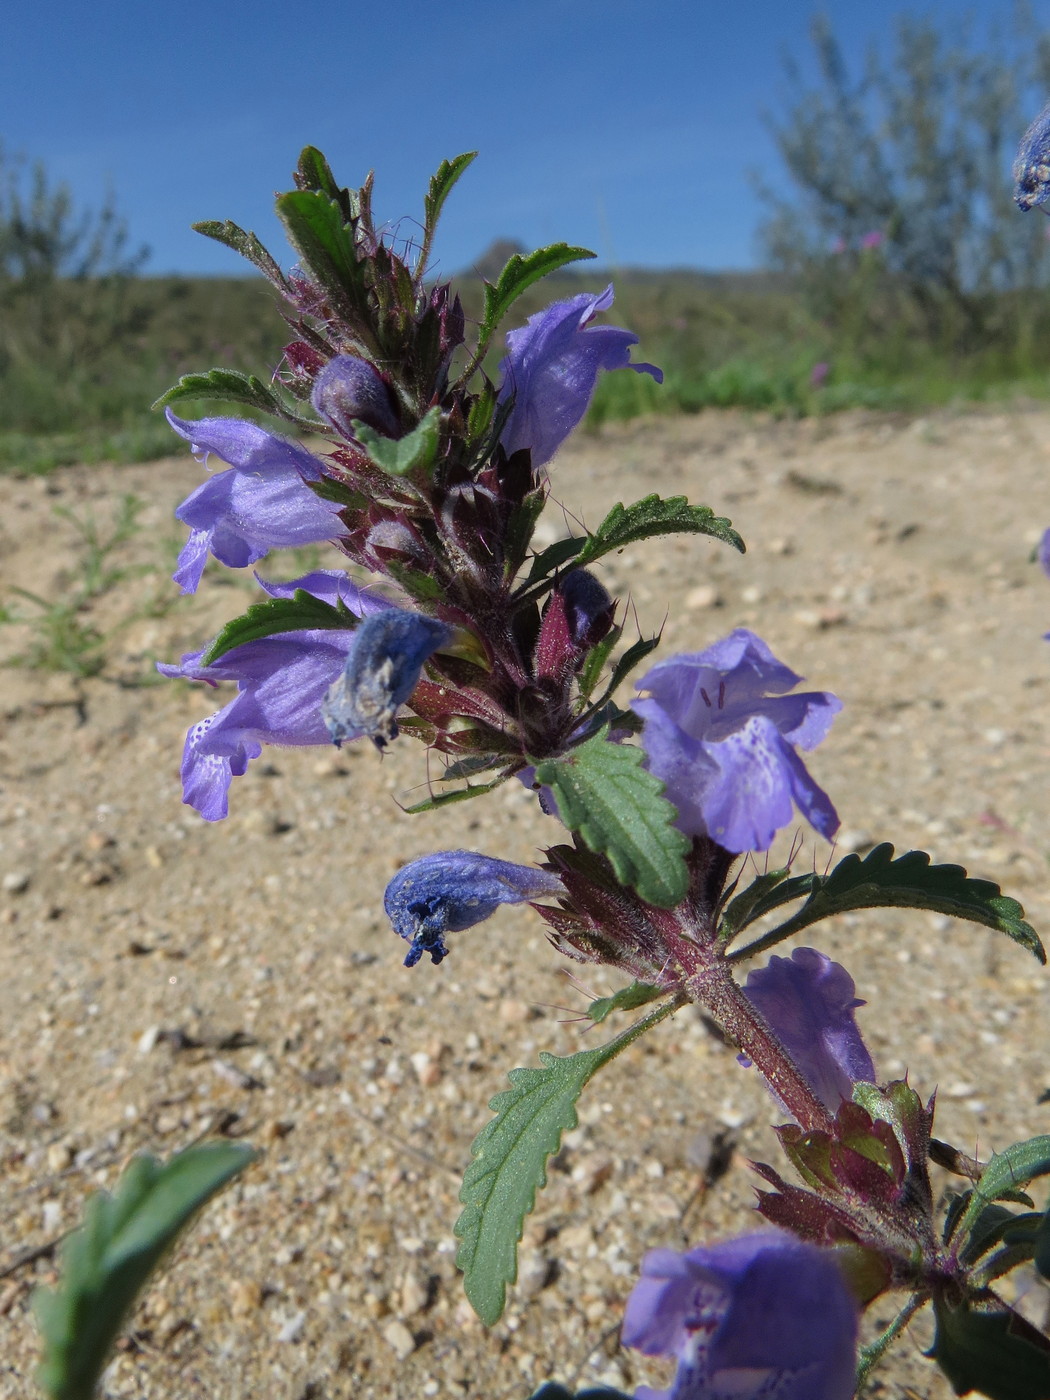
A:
<point x="349" y="388"/>
<point x="551" y="369"/>
<point x="1043" y="552"/>
<point x="453" y="890"/>
<point x="818" y="374"/>
<point x="1032" y="166"/>
<point x="809" y="1002"/>
<point x="381" y="671"/>
<point x="720" y="731"/>
<point x="761" y="1317"/>
<point x="872" y="240"/>
<point x="282" y="681"/>
<point x="261" y="503"/>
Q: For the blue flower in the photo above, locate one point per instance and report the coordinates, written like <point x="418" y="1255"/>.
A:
<point x="261" y="503"/>
<point x="1032" y="166"/>
<point x="809" y="1002"/>
<point x="720" y="732"/>
<point x="552" y="367"/>
<point x="281" y="682"/>
<point x="453" y="890"/>
<point x="754" y="1318"/>
<point x="380" y="673"/>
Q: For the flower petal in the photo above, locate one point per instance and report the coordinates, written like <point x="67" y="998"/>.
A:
<point x="261" y="503"/>
<point x="551" y="369"/>
<point x="453" y="890"/>
<point x="809" y="1002"/>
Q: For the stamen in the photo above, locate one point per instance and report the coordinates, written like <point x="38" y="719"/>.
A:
<point x="706" y="697"/>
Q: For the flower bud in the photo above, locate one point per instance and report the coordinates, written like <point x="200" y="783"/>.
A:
<point x="349" y="388"/>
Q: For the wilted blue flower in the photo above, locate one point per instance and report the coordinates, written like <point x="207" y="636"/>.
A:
<point x="1032" y="166"/>
<point x="261" y="503"/>
<point x="453" y="890"/>
<point x="282" y="681"/>
<point x="720" y="730"/>
<point x="381" y="672"/>
<point x="349" y="388"/>
<point x="761" y="1317"/>
<point x="552" y="367"/>
<point x="809" y="1002"/>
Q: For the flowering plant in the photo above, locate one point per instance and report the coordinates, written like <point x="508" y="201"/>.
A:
<point x="505" y="659"/>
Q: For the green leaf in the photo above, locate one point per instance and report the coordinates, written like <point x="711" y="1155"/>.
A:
<point x="445" y="799"/>
<point x="231" y="386"/>
<point x="635" y="653"/>
<point x="907" y="882"/>
<point x="1041" y="1246"/>
<point x="739" y="911"/>
<point x="318" y="232"/>
<point x="653" y="515"/>
<point x="594" y="662"/>
<point x="1007" y="1173"/>
<point x="520" y="273"/>
<point x="227" y="232"/>
<point x="996" y="1353"/>
<point x="399" y="456"/>
<point x="314" y="173"/>
<point x="628" y="998"/>
<point x="441" y="183"/>
<point x="107" y="1261"/>
<point x="618" y="807"/>
<point x="509" y="1164"/>
<point x="299" y="613"/>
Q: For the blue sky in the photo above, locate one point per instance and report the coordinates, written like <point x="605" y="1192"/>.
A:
<point x="632" y="128"/>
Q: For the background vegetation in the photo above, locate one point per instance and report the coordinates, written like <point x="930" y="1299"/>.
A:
<point x="899" y="274"/>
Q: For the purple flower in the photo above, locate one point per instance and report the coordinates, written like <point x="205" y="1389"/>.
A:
<point x="349" y="388"/>
<point x="818" y="374"/>
<point x="552" y="367"/>
<point x="1043" y="552"/>
<point x="261" y="503"/>
<point x="1032" y="166"/>
<point x="809" y="1002"/>
<point x="761" y="1317"/>
<point x="380" y="674"/>
<point x="720" y="730"/>
<point x="281" y="680"/>
<point x="875" y="239"/>
<point x="453" y="890"/>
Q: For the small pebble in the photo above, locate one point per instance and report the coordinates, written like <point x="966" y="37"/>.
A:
<point x="16" y="882"/>
<point x="399" y="1339"/>
<point x="706" y="595"/>
<point x="292" y="1329"/>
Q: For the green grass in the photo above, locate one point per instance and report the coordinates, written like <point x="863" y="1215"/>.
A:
<point x="80" y="364"/>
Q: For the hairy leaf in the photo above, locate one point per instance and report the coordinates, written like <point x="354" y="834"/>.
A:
<point x="227" y="232"/>
<point x="653" y="515"/>
<point x="618" y="807"/>
<point x="441" y="183"/>
<point x="880" y="881"/>
<point x="301" y="612"/>
<point x="628" y="998"/>
<point x="107" y="1261"/>
<point x="520" y="273"/>
<point x="318" y="232"/>
<point x="1006" y="1174"/>
<point x="231" y="386"/>
<point x="510" y="1164"/>
<point x="399" y="456"/>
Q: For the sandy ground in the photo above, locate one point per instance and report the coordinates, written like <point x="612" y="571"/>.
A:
<point x="166" y="979"/>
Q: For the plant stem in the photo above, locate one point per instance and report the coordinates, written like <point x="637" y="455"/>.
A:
<point x="872" y="1354"/>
